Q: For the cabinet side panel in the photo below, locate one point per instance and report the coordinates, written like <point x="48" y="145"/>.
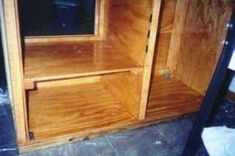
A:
<point x="201" y="45"/>
<point x="16" y="70"/>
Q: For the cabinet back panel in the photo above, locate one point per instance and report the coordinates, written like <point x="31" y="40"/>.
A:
<point x="201" y="45"/>
<point x="126" y="25"/>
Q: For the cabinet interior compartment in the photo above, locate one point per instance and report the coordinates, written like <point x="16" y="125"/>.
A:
<point x="67" y="87"/>
<point x="187" y="50"/>
<point x="84" y="84"/>
<point x="59" y="108"/>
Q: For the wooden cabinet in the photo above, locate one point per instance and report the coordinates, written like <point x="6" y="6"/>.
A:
<point x="147" y="61"/>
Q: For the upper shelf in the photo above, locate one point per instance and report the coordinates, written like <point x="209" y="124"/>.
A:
<point x="57" y="61"/>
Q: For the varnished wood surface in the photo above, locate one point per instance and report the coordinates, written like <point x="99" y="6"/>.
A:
<point x="126" y="25"/>
<point x="126" y="87"/>
<point x="168" y="99"/>
<point x="201" y="45"/>
<point x="59" y="111"/>
<point x="171" y="94"/>
<point x="148" y="62"/>
<point x="167" y="15"/>
<point x="48" y="62"/>
<point x="16" y="68"/>
<point x="177" y="35"/>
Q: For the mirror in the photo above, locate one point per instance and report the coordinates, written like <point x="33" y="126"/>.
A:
<point x="57" y="17"/>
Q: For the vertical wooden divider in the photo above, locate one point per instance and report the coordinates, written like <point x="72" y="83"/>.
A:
<point x="153" y="28"/>
<point x="176" y="38"/>
<point x="16" y="67"/>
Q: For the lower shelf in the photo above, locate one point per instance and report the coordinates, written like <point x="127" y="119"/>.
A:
<point x="172" y="97"/>
<point x="65" y="110"/>
<point x="68" y="115"/>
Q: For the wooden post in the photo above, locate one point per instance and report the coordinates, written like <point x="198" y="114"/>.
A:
<point x="16" y="68"/>
<point x="149" y="57"/>
<point x="178" y="27"/>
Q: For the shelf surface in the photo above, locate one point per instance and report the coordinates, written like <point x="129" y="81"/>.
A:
<point x="66" y="110"/>
<point x="169" y="97"/>
<point x="85" y="110"/>
<point x="91" y="108"/>
<point x="48" y="62"/>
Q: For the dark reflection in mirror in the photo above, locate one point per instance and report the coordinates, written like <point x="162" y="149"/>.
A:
<point x="57" y="17"/>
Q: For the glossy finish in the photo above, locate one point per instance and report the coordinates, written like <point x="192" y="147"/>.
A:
<point x="201" y="45"/>
<point x="126" y="26"/>
<point x="127" y="93"/>
<point x="167" y="15"/>
<point x="15" y="64"/>
<point x="77" y="108"/>
<point x="69" y="112"/>
<point x="58" y="61"/>
<point x="83" y="108"/>
<point x="171" y="96"/>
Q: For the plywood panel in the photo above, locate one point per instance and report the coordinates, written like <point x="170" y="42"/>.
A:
<point x="148" y="62"/>
<point x="177" y="34"/>
<point x="165" y="103"/>
<point x="127" y="24"/>
<point x="204" y="31"/>
<point x="15" y="64"/>
<point x="69" y="109"/>
<point x="170" y="94"/>
<point x="56" y="61"/>
<point x="126" y="87"/>
<point x="167" y="15"/>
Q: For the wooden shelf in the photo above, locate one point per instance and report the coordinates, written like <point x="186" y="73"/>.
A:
<point x="171" y="97"/>
<point x="63" y="110"/>
<point x="58" y="61"/>
<point x="91" y="108"/>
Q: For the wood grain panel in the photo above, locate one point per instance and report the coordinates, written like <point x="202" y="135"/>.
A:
<point x="76" y="108"/>
<point x="204" y="30"/>
<point x="167" y="15"/>
<point x="127" y="24"/>
<point x="148" y="62"/>
<point x="110" y="116"/>
<point x="16" y="72"/>
<point x="177" y="33"/>
<point x="68" y="82"/>
<point x="126" y="87"/>
<point x="56" y="61"/>
<point x="169" y="94"/>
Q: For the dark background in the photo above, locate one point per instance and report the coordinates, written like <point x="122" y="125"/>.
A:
<point x="56" y="17"/>
<point x="8" y="145"/>
<point x="2" y="68"/>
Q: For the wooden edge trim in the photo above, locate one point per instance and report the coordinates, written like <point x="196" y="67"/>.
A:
<point x="16" y="68"/>
<point x="176" y="38"/>
<point x="28" y="85"/>
<point x="58" y="39"/>
<point x="149" y="58"/>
